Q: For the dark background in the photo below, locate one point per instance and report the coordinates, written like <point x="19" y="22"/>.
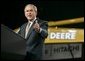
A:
<point x="49" y="10"/>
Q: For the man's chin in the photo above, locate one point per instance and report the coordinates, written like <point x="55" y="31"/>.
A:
<point x="30" y="19"/>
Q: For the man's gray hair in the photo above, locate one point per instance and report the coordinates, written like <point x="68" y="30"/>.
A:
<point x="35" y="8"/>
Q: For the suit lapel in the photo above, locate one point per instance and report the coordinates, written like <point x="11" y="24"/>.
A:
<point x="22" y="30"/>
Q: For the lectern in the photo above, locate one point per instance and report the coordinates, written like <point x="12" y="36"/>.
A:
<point x="13" y="46"/>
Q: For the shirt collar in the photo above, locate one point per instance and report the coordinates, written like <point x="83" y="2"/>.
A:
<point x="32" y="20"/>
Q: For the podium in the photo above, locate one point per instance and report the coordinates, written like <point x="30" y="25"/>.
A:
<point x="13" y="46"/>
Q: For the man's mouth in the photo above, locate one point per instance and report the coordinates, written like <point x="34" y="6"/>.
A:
<point x="29" y="15"/>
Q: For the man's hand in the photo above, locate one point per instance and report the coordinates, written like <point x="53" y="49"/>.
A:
<point x="36" y="27"/>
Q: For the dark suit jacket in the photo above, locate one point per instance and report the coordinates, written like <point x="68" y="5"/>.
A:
<point x="35" y="40"/>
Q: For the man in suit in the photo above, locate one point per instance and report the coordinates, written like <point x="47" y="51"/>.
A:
<point x="35" y="32"/>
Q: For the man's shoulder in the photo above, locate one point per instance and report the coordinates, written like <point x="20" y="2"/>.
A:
<point x="43" y="22"/>
<point x="40" y="20"/>
<point x="23" y="24"/>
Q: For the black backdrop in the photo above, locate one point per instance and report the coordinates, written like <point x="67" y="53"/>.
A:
<point x="49" y="10"/>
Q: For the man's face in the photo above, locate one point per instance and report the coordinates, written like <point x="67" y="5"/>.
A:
<point x="30" y="13"/>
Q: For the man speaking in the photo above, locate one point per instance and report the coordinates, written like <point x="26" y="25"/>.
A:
<point x="35" y="32"/>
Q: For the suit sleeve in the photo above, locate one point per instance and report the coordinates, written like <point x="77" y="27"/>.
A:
<point x="44" y="29"/>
